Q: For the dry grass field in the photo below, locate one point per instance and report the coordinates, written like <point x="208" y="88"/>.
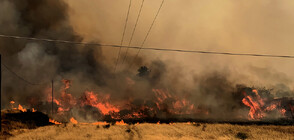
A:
<point x="155" y="131"/>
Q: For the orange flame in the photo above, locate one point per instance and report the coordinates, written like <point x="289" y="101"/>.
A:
<point x="34" y="110"/>
<point x="21" y="108"/>
<point x="73" y="120"/>
<point x="92" y="100"/>
<point x="283" y="111"/>
<point x="120" y="122"/>
<point x="54" y="122"/>
<point x="258" y="107"/>
<point x="100" y="123"/>
<point x="102" y="102"/>
<point x="255" y="110"/>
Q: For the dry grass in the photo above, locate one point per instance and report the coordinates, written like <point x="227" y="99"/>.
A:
<point x="157" y="131"/>
<point x="17" y="125"/>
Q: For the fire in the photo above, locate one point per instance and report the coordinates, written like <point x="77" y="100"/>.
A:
<point x="104" y="105"/>
<point x="66" y="83"/>
<point x="66" y="100"/>
<point x="179" y="106"/>
<point x="34" y="110"/>
<point x="100" y="123"/>
<point x="163" y="102"/>
<point x="90" y="98"/>
<point x="258" y="108"/>
<point x="54" y="122"/>
<point x="255" y="109"/>
<point x="73" y="120"/>
<point x="283" y="111"/>
<point x="120" y="122"/>
<point x="21" y="108"/>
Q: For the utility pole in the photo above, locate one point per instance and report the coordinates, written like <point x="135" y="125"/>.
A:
<point x="52" y="99"/>
<point x="0" y="94"/>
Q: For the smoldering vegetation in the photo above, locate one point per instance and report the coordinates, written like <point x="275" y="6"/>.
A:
<point x="213" y="93"/>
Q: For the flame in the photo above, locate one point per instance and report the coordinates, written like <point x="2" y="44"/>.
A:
<point x="179" y="106"/>
<point x="73" y="120"/>
<point x="21" y="108"/>
<point x="66" y="100"/>
<point x="271" y="107"/>
<point x="34" y="110"/>
<point x="54" y="122"/>
<point x="255" y="110"/>
<point x="66" y="83"/>
<point x="258" y="108"/>
<point x="104" y="107"/>
<point x="102" y="102"/>
<point x="282" y="111"/>
<point x="120" y="122"/>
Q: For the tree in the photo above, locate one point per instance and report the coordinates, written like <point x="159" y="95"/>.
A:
<point x="143" y="71"/>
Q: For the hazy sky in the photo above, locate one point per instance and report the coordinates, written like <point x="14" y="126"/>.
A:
<point x="262" y="26"/>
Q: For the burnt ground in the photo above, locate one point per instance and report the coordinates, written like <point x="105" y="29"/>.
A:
<point x="278" y="122"/>
<point x="15" y="119"/>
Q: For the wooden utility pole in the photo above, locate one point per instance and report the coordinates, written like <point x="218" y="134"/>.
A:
<point x="52" y="99"/>
<point x="0" y="94"/>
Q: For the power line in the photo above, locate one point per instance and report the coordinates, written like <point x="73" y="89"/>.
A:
<point x="220" y="53"/>
<point x="122" y="39"/>
<point x="51" y="40"/>
<point x="19" y="77"/>
<point x="135" y="27"/>
<point x="148" y="31"/>
<point x="149" y="48"/>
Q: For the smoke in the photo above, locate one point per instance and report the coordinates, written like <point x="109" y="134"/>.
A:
<point x="209" y="82"/>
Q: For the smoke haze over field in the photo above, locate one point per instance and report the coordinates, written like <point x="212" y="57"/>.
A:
<point x="233" y="26"/>
<point x="263" y="26"/>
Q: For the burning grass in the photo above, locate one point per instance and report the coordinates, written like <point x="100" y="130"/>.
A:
<point x="134" y="118"/>
<point x="164" y="105"/>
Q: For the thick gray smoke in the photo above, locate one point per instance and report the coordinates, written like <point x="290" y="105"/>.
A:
<point x="40" y="62"/>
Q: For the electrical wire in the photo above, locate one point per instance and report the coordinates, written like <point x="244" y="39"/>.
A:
<point x="135" y="27"/>
<point x="21" y="78"/>
<point x="148" y="31"/>
<point x="124" y="31"/>
<point x="149" y="48"/>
